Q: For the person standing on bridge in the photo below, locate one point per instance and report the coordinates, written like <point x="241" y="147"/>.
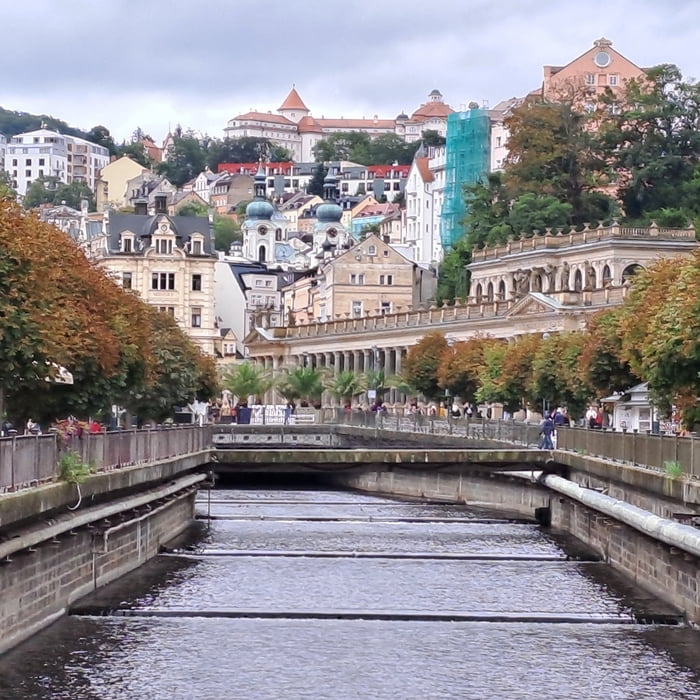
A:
<point x="546" y="431"/>
<point x="288" y="411"/>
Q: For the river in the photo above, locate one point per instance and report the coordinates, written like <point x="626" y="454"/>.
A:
<point x="310" y="594"/>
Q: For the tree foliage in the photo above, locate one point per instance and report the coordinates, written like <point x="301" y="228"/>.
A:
<point x="59" y="309"/>
<point x="52" y="191"/>
<point x="361" y="148"/>
<point x="461" y="366"/>
<point x="422" y="363"/>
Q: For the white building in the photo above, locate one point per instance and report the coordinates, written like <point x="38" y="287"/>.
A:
<point x="425" y="191"/>
<point x="44" y="153"/>
<point x="294" y="128"/>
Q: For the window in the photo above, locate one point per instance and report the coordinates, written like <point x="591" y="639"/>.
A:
<point x="196" y="247"/>
<point x="163" y="281"/>
<point x="357" y="279"/>
<point x="386" y="252"/>
<point x="498" y="140"/>
<point x="386" y="307"/>
<point x="386" y="279"/>
<point x="170" y="310"/>
<point x="590" y="79"/>
<point x="196" y="317"/>
<point x="372" y="250"/>
<point x="268" y="283"/>
<point x="612" y="80"/>
<point x="27" y="173"/>
<point x="126" y="280"/>
<point x="196" y="283"/>
<point x="357" y="309"/>
<point x="28" y="162"/>
<point x="42" y="161"/>
<point x="258" y="283"/>
<point x="163" y="246"/>
<point x="126" y="245"/>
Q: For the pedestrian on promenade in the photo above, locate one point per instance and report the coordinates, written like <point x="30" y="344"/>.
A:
<point x="546" y="431"/>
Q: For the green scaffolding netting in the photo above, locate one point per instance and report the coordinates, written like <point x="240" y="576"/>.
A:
<point x="468" y="156"/>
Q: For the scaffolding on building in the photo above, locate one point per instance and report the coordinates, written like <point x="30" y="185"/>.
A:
<point x="468" y="158"/>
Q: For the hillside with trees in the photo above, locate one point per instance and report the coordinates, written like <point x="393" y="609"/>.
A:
<point x="634" y="158"/>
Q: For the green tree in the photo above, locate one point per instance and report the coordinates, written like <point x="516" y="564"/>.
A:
<point x="193" y="209"/>
<point x="653" y="140"/>
<point x="552" y="151"/>
<point x="430" y="137"/>
<point x="186" y="158"/>
<point x="422" y="363"/>
<point x="7" y="189"/>
<point x="246" y="380"/>
<point x="315" y="185"/>
<point x="557" y="379"/>
<point x="137" y="152"/>
<point x="226" y="231"/>
<point x="51" y="191"/>
<point x="101" y="136"/>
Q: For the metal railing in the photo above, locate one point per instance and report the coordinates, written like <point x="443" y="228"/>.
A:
<point x="525" y="434"/>
<point x="29" y="460"/>
<point x="669" y="453"/>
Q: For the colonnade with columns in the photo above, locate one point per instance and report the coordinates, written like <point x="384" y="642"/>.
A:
<point x="375" y="358"/>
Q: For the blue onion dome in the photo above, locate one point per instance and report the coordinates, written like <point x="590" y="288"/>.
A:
<point x="328" y="213"/>
<point x="259" y="209"/>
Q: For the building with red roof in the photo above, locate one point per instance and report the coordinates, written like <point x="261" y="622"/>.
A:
<point x="293" y="127"/>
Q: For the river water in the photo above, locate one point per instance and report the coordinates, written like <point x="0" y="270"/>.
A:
<point x="333" y="595"/>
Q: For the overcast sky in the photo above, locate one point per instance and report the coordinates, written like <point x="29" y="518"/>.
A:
<point x="156" y="63"/>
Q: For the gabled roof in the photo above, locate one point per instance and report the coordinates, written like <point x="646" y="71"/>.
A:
<point x="384" y="170"/>
<point x="293" y="101"/>
<point x="423" y="169"/>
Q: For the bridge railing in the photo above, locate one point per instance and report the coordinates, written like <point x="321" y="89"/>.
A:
<point x="29" y="460"/>
<point x="525" y="434"/>
<point x="670" y="453"/>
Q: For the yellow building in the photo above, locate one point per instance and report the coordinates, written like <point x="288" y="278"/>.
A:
<point x="371" y="278"/>
<point x="111" y="185"/>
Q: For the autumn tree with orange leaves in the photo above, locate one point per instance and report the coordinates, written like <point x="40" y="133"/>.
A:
<point x="422" y="362"/>
<point x="57" y="308"/>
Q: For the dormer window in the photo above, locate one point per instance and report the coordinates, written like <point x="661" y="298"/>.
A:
<point x="164" y="246"/>
<point x="127" y="243"/>
<point x="196" y="247"/>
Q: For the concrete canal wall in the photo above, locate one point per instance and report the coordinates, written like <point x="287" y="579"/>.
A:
<point x="52" y="553"/>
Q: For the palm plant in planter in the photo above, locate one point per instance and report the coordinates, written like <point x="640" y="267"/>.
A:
<point x="346" y="385"/>
<point x="246" y="380"/>
<point x="304" y="384"/>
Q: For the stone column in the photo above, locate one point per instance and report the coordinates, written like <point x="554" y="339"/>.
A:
<point x="347" y="357"/>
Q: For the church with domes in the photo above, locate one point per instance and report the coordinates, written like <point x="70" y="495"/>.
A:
<point x="267" y="239"/>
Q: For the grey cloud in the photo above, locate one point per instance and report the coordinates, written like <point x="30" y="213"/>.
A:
<point x="128" y="62"/>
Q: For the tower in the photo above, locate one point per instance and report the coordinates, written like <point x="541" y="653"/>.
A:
<point x="258" y="230"/>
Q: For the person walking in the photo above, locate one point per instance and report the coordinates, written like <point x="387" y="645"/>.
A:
<point x="546" y="431"/>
